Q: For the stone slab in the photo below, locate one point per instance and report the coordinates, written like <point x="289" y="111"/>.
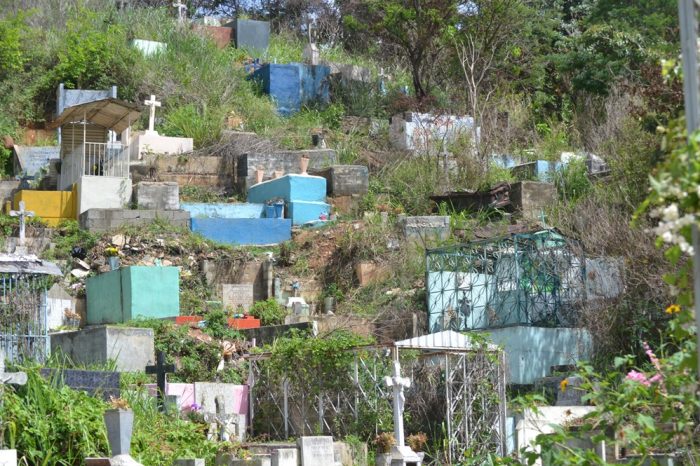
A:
<point x="244" y="231"/>
<point x="237" y="295"/>
<point x="316" y="451"/>
<point x="8" y="457"/>
<point x="285" y="457"/>
<point x="157" y="195"/>
<point x="132" y="349"/>
<point x="572" y="394"/>
<point x="346" y="180"/>
<point x="426" y="228"/>
<point x="95" y="383"/>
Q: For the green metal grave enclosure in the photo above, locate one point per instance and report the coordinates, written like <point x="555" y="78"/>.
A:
<point x="533" y="278"/>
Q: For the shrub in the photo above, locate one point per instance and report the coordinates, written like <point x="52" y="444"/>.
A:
<point x="270" y="312"/>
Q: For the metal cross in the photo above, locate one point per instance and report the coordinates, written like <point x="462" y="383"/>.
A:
<point x="160" y="369"/>
<point x="22" y="214"/>
<point x="14" y="378"/>
<point x="398" y="384"/>
<point x="181" y="11"/>
<point x="153" y="103"/>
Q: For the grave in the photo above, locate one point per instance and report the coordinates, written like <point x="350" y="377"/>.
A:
<point x="259" y="273"/>
<point x="221" y="36"/>
<point x="130" y="348"/>
<point x="225" y="408"/>
<point x="286" y="162"/>
<point x="102" y="220"/>
<point x="530" y="198"/>
<point x="235" y="296"/>
<point x="538" y="170"/>
<point x="60" y="309"/>
<point x="34" y="161"/>
<point x="71" y="97"/>
<point x="251" y="35"/>
<point x="160" y="369"/>
<point x="268" y="334"/>
<point x="132" y="292"/>
<point x="426" y="228"/>
<point x="571" y="394"/>
<point x="101" y="384"/>
<point x="149" y="47"/>
<point x="294" y="85"/>
<point x="347" y="73"/>
<point x="604" y="279"/>
<point x="316" y="451"/>
<point x="189" y="170"/>
<point x="51" y="206"/>
<point x="224" y="210"/>
<point x="151" y="142"/>
<point x="345" y="180"/>
<point x="182" y="392"/>
<point x="285" y="457"/>
<point x="424" y="132"/>
<point x="304" y="196"/>
<point x="157" y="195"/>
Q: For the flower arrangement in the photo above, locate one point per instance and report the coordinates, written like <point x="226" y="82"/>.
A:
<point x="384" y="442"/>
<point x="118" y="403"/>
<point x="111" y="251"/>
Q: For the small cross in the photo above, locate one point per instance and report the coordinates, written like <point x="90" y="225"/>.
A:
<point x="181" y="12"/>
<point x="22" y="214"/>
<point x="153" y="103"/>
<point x="398" y="383"/>
<point x="14" y="378"/>
<point x="160" y="369"/>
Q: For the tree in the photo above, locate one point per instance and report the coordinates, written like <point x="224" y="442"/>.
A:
<point x="483" y="39"/>
<point x="416" y="27"/>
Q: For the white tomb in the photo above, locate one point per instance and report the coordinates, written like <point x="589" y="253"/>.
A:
<point x="150" y="142"/>
<point x="427" y="133"/>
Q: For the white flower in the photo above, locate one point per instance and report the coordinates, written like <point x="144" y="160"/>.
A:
<point x="667" y="237"/>
<point x="671" y="213"/>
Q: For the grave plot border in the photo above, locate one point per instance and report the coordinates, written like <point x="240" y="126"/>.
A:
<point x="474" y="405"/>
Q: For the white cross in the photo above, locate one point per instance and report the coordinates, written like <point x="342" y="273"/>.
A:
<point x="14" y="378"/>
<point x="398" y="383"/>
<point x="22" y="214"/>
<point x="153" y="103"/>
<point x="181" y="11"/>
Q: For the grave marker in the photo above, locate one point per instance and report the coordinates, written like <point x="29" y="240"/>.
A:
<point x="570" y="392"/>
<point x="102" y="383"/>
<point x="181" y="13"/>
<point x="22" y="214"/>
<point x="316" y="451"/>
<point x="160" y="369"/>
<point x="152" y="103"/>
<point x="235" y="295"/>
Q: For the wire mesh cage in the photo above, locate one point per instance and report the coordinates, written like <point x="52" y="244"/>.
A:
<point x="533" y="278"/>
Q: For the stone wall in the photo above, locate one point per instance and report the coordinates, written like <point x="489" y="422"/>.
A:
<point x="101" y="220"/>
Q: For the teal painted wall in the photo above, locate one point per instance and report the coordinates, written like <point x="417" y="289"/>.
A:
<point x="133" y="292"/>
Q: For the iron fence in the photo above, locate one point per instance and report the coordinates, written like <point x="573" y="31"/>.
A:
<point x="23" y="317"/>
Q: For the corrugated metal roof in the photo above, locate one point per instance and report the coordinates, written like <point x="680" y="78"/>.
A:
<point x="33" y="159"/>
<point x="446" y="340"/>
<point x="27" y="263"/>
<point x="110" y="113"/>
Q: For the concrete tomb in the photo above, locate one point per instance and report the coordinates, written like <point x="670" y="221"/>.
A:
<point x="538" y="170"/>
<point x="304" y="196"/>
<point x="287" y="162"/>
<point x="345" y="180"/>
<point x="294" y="85"/>
<point x="149" y="47"/>
<point x="316" y="451"/>
<point x="102" y="220"/>
<point x="151" y="142"/>
<point x="225" y="408"/>
<point x="131" y="348"/>
<point x="157" y="195"/>
<point x="425" y="132"/>
<point x="251" y="35"/>
<point x="237" y="296"/>
<point x="132" y="292"/>
<point x="224" y="210"/>
<point x="426" y="228"/>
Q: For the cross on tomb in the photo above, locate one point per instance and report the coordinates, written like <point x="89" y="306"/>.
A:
<point x="160" y="369"/>
<point x="22" y="214"/>
<point x="13" y="378"/>
<point x="153" y="103"/>
<point x="181" y="12"/>
<point x="398" y="383"/>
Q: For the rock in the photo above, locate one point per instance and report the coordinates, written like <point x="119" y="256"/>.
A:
<point x="119" y="241"/>
<point x="79" y="273"/>
<point x="167" y="263"/>
<point x="82" y="264"/>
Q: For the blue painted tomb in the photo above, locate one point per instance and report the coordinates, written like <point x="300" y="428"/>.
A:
<point x="294" y="85"/>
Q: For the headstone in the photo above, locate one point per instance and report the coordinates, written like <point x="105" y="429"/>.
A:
<point x="160" y="369"/>
<point x="96" y="383"/>
<point x="224" y="407"/>
<point x="397" y="384"/>
<point x="425" y="228"/>
<point x="235" y="295"/>
<point x="311" y="54"/>
<point x="285" y="457"/>
<point x="316" y="451"/>
<point x="152" y="103"/>
<point x="181" y="12"/>
<point x="157" y="195"/>
<point x="8" y="457"/>
<point x="570" y="392"/>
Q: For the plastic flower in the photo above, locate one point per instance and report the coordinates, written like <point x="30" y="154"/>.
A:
<point x="563" y="384"/>
<point x="638" y="377"/>
<point x="673" y="309"/>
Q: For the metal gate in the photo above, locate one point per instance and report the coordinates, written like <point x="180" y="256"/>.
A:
<point x="23" y="317"/>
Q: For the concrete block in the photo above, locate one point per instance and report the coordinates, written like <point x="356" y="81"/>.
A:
<point x="346" y="180"/>
<point x="158" y="196"/>
<point x="149" y="47"/>
<point x="131" y="348"/>
<point x="244" y="231"/>
<point x="368" y="272"/>
<point x="531" y="198"/>
<point x="221" y="36"/>
<point x="426" y="228"/>
<point x="288" y="162"/>
<point x="237" y="295"/>
<point x="221" y="210"/>
<point x="102" y="192"/>
<point x="316" y="451"/>
<point x="425" y="132"/>
<point x="131" y="292"/>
